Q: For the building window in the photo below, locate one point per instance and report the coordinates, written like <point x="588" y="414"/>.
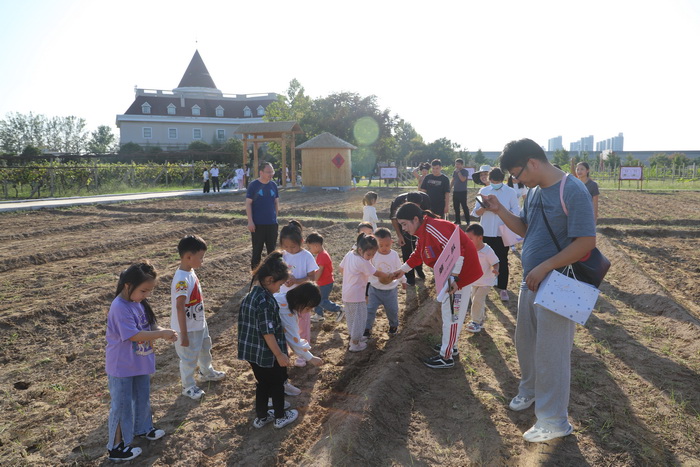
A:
<point x="247" y="112"/>
<point x="171" y="109"/>
<point x="220" y="135"/>
<point x="172" y="133"/>
<point x="195" y="110"/>
<point x="146" y="108"/>
<point x="261" y="111"/>
<point x="147" y="132"/>
<point x="196" y="133"/>
<point x="219" y="111"/>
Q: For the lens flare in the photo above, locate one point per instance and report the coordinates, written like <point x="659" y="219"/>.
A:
<point x="366" y="131"/>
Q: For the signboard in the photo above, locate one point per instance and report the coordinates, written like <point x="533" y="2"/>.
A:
<point x="446" y="261"/>
<point x="631" y="173"/>
<point x="471" y="171"/>
<point x="388" y="173"/>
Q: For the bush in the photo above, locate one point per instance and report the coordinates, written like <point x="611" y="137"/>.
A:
<point x="130" y="148"/>
<point x="199" y="146"/>
<point x="31" y="151"/>
<point x="153" y="149"/>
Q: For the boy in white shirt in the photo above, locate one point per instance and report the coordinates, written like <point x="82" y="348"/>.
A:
<point x="384" y="292"/>
<point x="187" y="316"/>
<point x="480" y="288"/>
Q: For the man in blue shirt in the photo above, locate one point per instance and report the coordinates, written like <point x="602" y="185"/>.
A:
<point x="544" y="339"/>
<point x="261" y="207"/>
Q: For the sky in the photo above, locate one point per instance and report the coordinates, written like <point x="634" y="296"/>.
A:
<point x="480" y="73"/>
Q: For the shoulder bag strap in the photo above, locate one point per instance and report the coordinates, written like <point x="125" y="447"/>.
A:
<point x="546" y="222"/>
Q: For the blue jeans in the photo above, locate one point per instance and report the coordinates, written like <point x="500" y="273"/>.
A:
<point x="130" y="407"/>
<point x="390" y="300"/>
<point x="326" y="304"/>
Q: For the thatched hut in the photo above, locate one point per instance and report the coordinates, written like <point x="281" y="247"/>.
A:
<point x="326" y="162"/>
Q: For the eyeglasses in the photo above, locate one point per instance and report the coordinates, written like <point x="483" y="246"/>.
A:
<point x="517" y="177"/>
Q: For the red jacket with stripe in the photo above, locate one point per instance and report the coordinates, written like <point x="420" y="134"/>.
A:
<point x="433" y="235"/>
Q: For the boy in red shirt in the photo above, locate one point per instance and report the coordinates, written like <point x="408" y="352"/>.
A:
<point x="324" y="278"/>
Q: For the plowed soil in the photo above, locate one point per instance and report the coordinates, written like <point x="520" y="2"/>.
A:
<point x="635" y="393"/>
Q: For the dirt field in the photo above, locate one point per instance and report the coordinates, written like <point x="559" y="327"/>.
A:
<point x="635" y="395"/>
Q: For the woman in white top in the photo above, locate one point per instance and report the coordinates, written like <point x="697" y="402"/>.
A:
<point x="492" y="223"/>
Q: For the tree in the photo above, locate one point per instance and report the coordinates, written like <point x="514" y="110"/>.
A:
<point x="130" y="148"/>
<point x="31" y="151"/>
<point x="442" y="149"/>
<point x="406" y="138"/>
<point x="660" y="158"/>
<point x="561" y="158"/>
<point x="679" y="159"/>
<point x="18" y="131"/>
<point x="479" y="158"/>
<point x="199" y="146"/>
<point x="630" y="160"/>
<point x="101" y="140"/>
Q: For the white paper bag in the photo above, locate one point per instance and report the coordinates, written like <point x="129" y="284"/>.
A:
<point x="567" y="297"/>
<point x="509" y="237"/>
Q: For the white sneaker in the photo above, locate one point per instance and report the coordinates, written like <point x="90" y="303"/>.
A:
<point x="193" y="393"/>
<point x="537" y="434"/>
<point x="341" y="314"/>
<point x="213" y="376"/>
<point x="316" y="318"/>
<point x="521" y="403"/>
<point x="289" y="417"/>
<point x="359" y="347"/>
<point x="291" y="390"/>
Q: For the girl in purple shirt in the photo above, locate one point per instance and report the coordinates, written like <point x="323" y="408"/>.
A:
<point x="130" y="361"/>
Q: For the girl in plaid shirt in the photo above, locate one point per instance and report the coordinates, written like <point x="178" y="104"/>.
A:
<point x="261" y="342"/>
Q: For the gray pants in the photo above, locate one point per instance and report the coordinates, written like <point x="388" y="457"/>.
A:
<point x="544" y="340"/>
<point x="390" y="300"/>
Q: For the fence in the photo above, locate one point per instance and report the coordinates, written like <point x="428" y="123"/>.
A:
<point x="54" y="179"/>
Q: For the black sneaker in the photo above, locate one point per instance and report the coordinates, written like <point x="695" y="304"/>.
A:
<point x="439" y="362"/>
<point x="367" y="333"/>
<point x="123" y="453"/>
<point x="153" y="435"/>
<point x="393" y="330"/>
<point x="438" y="347"/>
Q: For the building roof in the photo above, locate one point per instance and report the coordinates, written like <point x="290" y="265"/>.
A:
<point x="197" y="75"/>
<point x="326" y="141"/>
<point x="269" y="127"/>
<point x="233" y="108"/>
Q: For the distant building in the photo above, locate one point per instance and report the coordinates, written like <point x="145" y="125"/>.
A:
<point x="616" y="143"/>
<point x="554" y="144"/>
<point x="584" y="144"/>
<point x="194" y="111"/>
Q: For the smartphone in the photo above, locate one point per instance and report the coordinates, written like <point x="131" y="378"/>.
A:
<point x="483" y="203"/>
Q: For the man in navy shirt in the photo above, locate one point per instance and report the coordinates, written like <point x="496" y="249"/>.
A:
<point x="261" y="207"/>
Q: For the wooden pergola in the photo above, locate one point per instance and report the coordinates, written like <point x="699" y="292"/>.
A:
<point x="269" y="132"/>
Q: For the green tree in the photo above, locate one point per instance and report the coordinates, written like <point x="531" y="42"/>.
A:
<point x="31" y="151"/>
<point x="19" y="130"/>
<point x="407" y="139"/>
<point x="443" y="149"/>
<point x="630" y="160"/>
<point x="561" y="158"/>
<point x="130" y="148"/>
<point x="199" y="146"/>
<point x="101" y="140"/>
<point x="679" y="159"/>
<point x="661" y="159"/>
<point x="479" y="158"/>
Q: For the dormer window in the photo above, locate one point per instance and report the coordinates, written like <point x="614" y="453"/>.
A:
<point x="261" y="111"/>
<point x="146" y="108"/>
<point x="219" y="111"/>
<point x="195" y="110"/>
<point x="171" y="109"/>
<point x="247" y="112"/>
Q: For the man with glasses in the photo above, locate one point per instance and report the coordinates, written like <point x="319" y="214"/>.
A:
<point x="543" y="339"/>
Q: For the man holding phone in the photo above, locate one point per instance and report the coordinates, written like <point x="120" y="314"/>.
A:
<point x="543" y="339"/>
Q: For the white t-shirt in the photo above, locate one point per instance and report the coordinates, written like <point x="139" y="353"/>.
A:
<point x="487" y="258"/>
<point x="290" y="323"/>
<point x="490" y="221"/>
<point x="369" y="214"/>
<point x="214" y="171"/>
<point x="300" y="265"/>
<point x="239" y="173"/>
<point x="205" y="175"/>
<point x="185" y="284"/>
<point x="386" y="263"/>
<point x="356" y="273"/>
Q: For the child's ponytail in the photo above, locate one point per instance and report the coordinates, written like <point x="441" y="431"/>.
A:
<point x="366" y="242"/>
<point x="135" y="275"/>
<point x="273" y="266"/>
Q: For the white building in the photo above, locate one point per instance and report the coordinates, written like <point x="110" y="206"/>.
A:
<point x="194" y="111"/>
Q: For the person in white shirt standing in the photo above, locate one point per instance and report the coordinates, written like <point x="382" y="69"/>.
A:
<point x="481" y="287"/>
<point x="492" y="223"/>
<point x="215" y="178"/>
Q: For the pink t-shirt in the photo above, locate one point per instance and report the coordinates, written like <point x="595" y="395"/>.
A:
<point x="356" y="272"/>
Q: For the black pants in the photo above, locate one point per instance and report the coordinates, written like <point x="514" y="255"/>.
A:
<point x="406" y="250"/>
<point x="270" y="383"/>
<point x="206" y="186"/>
<point x="502" y="252"/>
<point x="215" y="184"/>
<point x="459" y="198"/>
<point x="264" y="235"/>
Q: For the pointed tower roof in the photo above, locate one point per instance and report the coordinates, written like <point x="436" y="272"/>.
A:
<point x="197" y="75"/>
